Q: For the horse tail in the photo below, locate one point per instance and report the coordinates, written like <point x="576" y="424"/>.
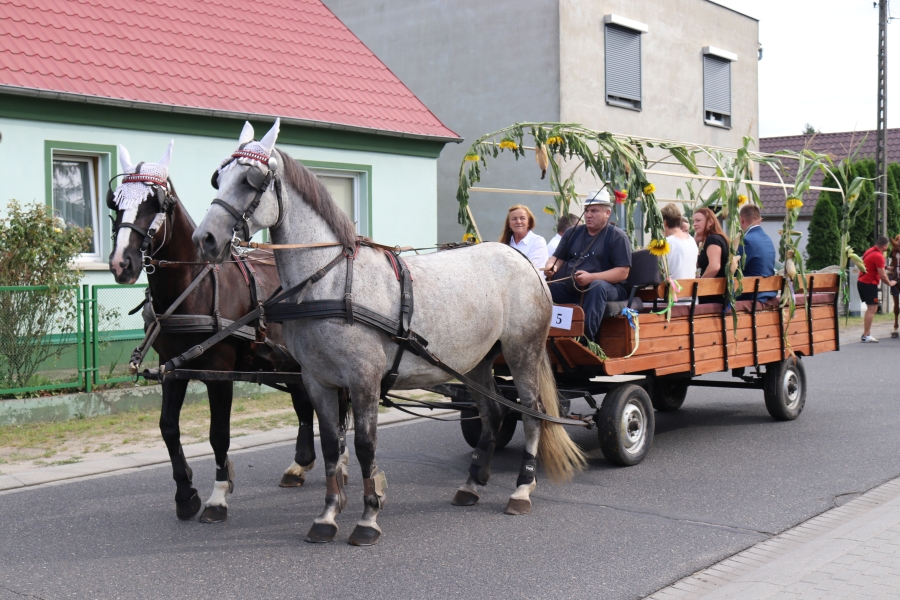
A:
<point x="562" y="457"/>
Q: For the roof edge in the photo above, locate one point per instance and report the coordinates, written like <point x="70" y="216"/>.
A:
<point x="717" y="3"/>
<point x="209" y="112"/>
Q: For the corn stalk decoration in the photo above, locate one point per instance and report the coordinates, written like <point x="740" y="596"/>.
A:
<point x="620" y="163"/>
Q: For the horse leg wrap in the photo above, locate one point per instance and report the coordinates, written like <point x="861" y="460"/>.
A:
<point x="376" y="486"/>
<point x="334" y="486"/>
<point x="527" y="470"/>
<point x="304" y="451"/>
<point x="480" y="469"/>
<point x="226" y="473"/>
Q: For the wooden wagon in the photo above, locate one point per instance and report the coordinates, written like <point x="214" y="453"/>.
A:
<point x="666" y="354"/>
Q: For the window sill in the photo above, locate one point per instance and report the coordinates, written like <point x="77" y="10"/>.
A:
<point x="624" y="105"/>
<point x="715" y="124"/>
<point x="89" y="265"/>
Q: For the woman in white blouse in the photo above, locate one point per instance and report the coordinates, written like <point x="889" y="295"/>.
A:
<point x="518" y="234"/>
<point x="682" y="257"/>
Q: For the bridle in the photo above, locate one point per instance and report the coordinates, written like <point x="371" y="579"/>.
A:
<point x="160" y="188"/>
<point x="258" y="180"/>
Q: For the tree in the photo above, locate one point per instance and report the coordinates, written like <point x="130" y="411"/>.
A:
<point x="824" y="235"/>
<point x="809" y="129"/>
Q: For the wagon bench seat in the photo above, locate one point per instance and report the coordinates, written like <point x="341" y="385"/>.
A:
<point x="663" y="346"/>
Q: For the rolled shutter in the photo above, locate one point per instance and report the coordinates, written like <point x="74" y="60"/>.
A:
<point x="623" y="64"/>
<point x="716" y="85"/>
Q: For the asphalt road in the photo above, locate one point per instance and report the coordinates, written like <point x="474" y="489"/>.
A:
<point x="722" y="476"/>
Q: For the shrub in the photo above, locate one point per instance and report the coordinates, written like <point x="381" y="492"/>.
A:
<point x="35" y="250"/>
<point x="822" y="247"/>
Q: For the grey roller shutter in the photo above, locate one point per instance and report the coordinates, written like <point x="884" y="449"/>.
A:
<point x="623" y="66"/>
<point x="716" y="85"/>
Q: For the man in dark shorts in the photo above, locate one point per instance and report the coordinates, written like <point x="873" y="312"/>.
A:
<point x="591" y="262"/>
<point x="867" y="284"/>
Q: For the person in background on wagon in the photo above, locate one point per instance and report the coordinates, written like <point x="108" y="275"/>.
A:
<point x="518" y="234"/>
<point x="867" y="284"/>
<point x="758" y="250"/>
<point x="713" y="249"/>
<point x="591" y="263"/>
<point x="564" y="224"/>
<point x="682" y="257"/>
<point x="895" y="273"/>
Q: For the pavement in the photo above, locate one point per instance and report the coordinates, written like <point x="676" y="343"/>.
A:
<point x="149" y="458"/>
<point x="728" y="502"/>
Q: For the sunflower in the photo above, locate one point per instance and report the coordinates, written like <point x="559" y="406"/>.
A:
<point x="469" y="237"/>
<point x="549" y="210"/>
<point x="508" y="144"/>
<point x="620" y="196"/>
<point x="555" y="141"/>
<point x="472" y="158"/>
<point x="793" y="202"/>
<point x="659" y="247"/>
<point x="649" y="189"/>
<point x="742" y="200"/>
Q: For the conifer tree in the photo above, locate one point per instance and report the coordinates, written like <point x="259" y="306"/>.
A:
<point x="822" y="246"/>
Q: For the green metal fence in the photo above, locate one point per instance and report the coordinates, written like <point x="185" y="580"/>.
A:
<point x="73" y="338"/>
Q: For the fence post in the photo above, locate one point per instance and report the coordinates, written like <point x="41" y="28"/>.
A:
<point x="88" y="330"/>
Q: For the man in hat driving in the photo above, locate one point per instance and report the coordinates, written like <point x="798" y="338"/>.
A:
<point x="591" y="262"/>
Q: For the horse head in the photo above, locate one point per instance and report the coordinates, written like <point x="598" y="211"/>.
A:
<point x="247" y="200"/>
<point x="142" y="202"/>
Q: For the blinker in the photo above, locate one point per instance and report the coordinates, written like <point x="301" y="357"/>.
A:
<point x="214" y="181"/>
<point x="110" y="199"/>
<point x="256" y="178"/>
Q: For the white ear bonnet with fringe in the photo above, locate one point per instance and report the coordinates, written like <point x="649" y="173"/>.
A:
<point x="130" y="194"/>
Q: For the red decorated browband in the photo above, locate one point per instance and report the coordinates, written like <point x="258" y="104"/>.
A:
<point x="263" y="158"/>
<point x="138" y="178"/>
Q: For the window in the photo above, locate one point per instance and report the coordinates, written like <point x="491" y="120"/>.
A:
<point x="623" y="61"/>
<point x="77" y="179"/>
<point x="75" y="195"/>
<point x="350" y="186"/>
<point x="717" y="87"/>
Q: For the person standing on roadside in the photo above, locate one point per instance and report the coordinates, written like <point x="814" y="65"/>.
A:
<point x="895" y="273"/>
<point x="867" y="284"/>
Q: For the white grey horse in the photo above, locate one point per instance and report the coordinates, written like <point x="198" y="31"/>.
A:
<point x="469" y="304"/>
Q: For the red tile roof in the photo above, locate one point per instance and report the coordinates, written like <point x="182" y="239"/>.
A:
<point x="838" y="145"/>
<point x="287" y="58"/>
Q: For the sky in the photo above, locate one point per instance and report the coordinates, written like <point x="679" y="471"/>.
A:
<point x="819" y="64"/>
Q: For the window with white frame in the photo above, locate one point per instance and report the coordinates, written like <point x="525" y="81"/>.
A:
<point x="76" y="197"/>
<point x="717" y="86"/>
<point x="623" y="61"/>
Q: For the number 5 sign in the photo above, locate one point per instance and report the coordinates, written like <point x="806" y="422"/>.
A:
<point x="562" y="317"/>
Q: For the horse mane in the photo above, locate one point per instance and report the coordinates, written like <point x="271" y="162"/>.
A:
<point x="174" y="194"/>
<point x="317" y="196"/>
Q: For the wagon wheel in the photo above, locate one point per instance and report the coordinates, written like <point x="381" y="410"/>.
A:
<point x="625" y="425"/>
<point x="669" y="393"/>
<point x="784" y="388"/>
<point x="471" y="428"/>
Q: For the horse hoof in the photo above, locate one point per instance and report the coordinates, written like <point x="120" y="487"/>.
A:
<point x="518" y="507"/>
<point x="364" y="536"/>
<point x="463" y="498"/>
<point x="214" y="514"/>
<point x="187" y="510"/>
<point x="289" y="480"/>
<point x="321" y="533"/>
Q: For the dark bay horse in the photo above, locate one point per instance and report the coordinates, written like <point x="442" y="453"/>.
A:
<point x="152" y="222"/>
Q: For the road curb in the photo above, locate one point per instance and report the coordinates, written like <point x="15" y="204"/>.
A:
<point x="36" y="477"/>
<point x="745" y="565"/>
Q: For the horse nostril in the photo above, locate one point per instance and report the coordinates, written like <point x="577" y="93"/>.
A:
<point x="209" y="243"/>
<point x="125" y="263"/>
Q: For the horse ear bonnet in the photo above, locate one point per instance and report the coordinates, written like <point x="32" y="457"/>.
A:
<point x="215" y="179"/>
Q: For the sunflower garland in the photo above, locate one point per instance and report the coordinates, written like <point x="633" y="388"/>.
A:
<point x="659" y="247"/>
<point x="793" y="202"/>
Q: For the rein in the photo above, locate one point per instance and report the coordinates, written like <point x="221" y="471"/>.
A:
<point x="398" y="330"/>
